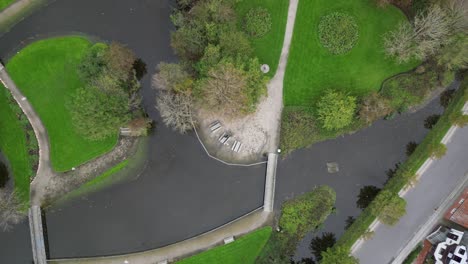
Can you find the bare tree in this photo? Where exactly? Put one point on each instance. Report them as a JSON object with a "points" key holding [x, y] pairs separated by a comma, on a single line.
{"points": [[175, 110], [224, 89], [429, 32], [12, 211]]}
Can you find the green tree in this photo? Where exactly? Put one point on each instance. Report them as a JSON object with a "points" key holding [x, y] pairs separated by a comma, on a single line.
{"points": [[388, 207], [366, 195], [234, 44], [336, 110], [99, 110], [338, 255], [431, 121], [454, 56], [411, 147], [93, 62], [320, 244]]}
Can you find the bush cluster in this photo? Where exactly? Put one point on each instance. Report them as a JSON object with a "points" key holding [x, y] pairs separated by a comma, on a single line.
{"points": [[110, 97], [299, 216], [257, 22], [338, 32]]}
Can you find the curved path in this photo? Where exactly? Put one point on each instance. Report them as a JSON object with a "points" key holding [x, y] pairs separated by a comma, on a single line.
{"points": [[44, 171], [183, 192]]}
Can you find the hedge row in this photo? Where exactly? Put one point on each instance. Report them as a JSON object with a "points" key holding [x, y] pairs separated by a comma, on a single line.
{"points": [[407, 171]]}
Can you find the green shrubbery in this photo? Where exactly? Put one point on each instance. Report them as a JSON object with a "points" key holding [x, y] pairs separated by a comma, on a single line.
{"points": [[338, 32], [413, 255], [110, 98], [299, 216], [257, 22], [217, 70], [336, 110]]}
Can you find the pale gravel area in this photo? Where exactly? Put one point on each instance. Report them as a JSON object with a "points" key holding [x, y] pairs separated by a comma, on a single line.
{"points": [[259, 132]]}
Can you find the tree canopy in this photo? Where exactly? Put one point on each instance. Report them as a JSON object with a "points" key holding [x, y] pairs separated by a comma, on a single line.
{"points": [[336, 110]]}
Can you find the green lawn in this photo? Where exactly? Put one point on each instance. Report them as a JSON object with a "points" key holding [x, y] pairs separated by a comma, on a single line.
{"points": [[268, 48], [5, 3], [244, 250], [45, 72], [312, 69], [13, 146]]}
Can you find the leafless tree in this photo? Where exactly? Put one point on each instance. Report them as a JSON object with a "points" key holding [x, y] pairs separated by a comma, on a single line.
{"points": [[175, 110], [11, 210], [429, 32], [223, 89]]}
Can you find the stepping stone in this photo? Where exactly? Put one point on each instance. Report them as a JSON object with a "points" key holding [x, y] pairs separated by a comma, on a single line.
{"points": [[333, 167]]}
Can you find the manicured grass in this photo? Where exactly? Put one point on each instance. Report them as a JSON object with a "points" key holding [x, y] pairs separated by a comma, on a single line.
{"points": [[5, 3], [13, 146], [311, 68], [268, 48], [244, 250], [45, 71]]}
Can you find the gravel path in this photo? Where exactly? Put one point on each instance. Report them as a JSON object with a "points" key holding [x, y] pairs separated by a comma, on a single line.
{"points": [[44, 171]]}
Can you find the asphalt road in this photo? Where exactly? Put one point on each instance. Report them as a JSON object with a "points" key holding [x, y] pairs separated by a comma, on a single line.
{"points": [[434, 186], [182, 192]]}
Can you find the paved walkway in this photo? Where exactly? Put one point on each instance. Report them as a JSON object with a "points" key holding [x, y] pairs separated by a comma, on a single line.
{"points": [[440, 180], [188, 247], [16, 12], [44, 171], [269, 112]]}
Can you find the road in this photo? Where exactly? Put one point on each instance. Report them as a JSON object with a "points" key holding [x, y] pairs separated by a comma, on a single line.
{"points": [[435, 184]]}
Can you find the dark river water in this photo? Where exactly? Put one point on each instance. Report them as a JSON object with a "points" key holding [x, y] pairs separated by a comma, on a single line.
{"points": [[182, 192]]}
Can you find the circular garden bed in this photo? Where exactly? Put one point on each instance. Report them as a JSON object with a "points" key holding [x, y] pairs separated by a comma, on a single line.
{"points": [[338, 32]]}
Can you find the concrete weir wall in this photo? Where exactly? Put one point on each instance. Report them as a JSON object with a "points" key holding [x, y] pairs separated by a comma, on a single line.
{"points": [[270, 182], [37, 235]]}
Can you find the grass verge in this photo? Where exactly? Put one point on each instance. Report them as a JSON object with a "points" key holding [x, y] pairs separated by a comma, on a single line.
{"points": [[312, 69], [5, 3], [406, 172], [45, 71], [13, 144], [244, 250], [268, 48]]}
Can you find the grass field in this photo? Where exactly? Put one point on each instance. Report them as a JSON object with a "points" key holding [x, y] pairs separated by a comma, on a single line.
{"points": [[5, 3], [268, 47], [45, 71], [244, 250], [13, 146], [312, 69]]}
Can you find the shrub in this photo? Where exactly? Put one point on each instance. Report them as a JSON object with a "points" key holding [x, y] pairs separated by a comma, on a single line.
{"points": [[410, 148], [299, 216], [413, 255], [366, 196], [446, 97], [407, 90], [373, 107], [338, 32], [431, 120], [257, 22], [336, 110], [338, 255], [321, 244], [388, 207]]}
